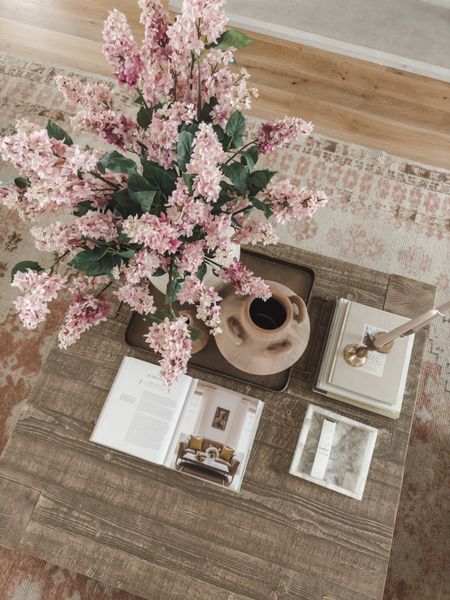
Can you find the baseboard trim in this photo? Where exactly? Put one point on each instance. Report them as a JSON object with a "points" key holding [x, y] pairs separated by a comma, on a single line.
{"points": [[333, 45]]}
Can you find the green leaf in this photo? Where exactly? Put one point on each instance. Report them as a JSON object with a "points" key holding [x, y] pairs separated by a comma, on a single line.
{"points": [[82, 208], [127, 253], [160, 179], [258, 180], [139, 190], [21, 182], [95, 262], [233, 39], [144, 117], [237, 174], [206, 109], [158, 272], [58, 133], [184, 149], [235, 128], [24, 265], [250, 157], [260, 205], [202, 272], [125, 205], [116, 162], [188, 179], [144, 198]]}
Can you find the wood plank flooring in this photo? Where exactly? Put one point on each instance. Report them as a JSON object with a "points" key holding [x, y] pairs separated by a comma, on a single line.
{"points": [[346, 98]]}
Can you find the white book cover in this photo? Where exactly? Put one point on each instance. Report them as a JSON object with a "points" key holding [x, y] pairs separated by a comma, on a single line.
{"points": [[380, 383], [193, 427]]}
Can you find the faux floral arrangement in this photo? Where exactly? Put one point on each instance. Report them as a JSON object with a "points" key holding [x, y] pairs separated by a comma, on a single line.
{"points": [[177, 192], [212, 453]]}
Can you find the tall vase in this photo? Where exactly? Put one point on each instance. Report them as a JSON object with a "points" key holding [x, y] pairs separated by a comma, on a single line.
{"points": [[260, 337]]}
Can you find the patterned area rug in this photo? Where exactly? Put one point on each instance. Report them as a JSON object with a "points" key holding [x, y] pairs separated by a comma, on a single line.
{"points": [[384, 212]]}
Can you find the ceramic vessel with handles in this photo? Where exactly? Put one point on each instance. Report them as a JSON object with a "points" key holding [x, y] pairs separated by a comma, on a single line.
{"points": [[260, 337]]}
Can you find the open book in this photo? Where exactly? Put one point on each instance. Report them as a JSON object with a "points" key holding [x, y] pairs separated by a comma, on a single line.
{"points": [[194, 427]]}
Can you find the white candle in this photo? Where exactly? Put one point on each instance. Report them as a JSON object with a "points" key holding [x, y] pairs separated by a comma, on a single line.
{"points": [[382, 339]]}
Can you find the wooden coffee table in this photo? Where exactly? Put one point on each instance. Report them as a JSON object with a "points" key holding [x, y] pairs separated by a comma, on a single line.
{"points": [[150, 530]]}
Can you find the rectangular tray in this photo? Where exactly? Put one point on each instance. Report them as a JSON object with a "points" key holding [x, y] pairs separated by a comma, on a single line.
{"points": [[296, 277]]}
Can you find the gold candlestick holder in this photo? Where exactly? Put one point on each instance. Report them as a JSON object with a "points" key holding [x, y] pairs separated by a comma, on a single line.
{"points": [[355, 355]]}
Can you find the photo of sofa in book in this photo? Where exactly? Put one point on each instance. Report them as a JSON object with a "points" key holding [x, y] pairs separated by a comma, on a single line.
{"points": [[195, 454], [193, 427]]}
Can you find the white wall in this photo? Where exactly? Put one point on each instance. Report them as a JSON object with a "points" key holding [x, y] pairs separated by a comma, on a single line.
{"points": [[229, 401]]}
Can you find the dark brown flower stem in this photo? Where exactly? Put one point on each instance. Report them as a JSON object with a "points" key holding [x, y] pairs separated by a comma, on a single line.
{"points": [[240, 150]]}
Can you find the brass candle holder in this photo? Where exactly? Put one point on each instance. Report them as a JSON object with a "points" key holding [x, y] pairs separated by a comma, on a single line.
{"points": [[355, 355]]}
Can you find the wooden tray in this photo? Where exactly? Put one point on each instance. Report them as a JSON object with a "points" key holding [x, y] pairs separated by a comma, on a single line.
{"points": [[298, 278]]}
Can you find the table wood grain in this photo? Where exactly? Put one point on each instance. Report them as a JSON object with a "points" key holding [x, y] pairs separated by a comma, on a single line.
{"points": [[165, 536]]}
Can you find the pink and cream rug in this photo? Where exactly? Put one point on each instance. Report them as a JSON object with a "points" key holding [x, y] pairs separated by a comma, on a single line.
{"points": [[386, 213]]}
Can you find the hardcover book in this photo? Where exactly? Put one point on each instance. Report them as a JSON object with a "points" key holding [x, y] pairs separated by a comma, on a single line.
{"points": [[193, 427], [378, 385]]}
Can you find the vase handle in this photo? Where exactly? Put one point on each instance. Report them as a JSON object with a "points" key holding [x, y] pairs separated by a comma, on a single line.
{"points": [[235, 330], [278, 350], [301, 308]]}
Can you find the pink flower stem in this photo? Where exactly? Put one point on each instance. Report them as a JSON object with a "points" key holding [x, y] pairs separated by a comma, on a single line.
{"points": [[98, 176], [55, 265], [240, 150], [242, 210], [104, 288]]}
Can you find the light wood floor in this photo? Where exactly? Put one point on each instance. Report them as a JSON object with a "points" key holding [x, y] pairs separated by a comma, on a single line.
{"points": [[346, 98]]}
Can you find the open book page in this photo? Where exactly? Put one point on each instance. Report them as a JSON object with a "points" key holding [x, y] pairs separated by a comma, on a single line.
{"points": [[215, 435], [140, 414]]}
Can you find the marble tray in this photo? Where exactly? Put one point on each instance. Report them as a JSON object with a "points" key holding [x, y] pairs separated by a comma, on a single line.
{"points": [[350, 455]]}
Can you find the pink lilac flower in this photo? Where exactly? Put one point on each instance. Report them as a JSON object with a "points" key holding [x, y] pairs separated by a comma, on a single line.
{"points": [[171, 339], [206, 156], [156, 233], [82, 283], [244, 282], [39, 289], [138, 297], [97, 114], [275, 134], [155, 21], [56, 237], [84, 312], [141, 266], [120, 49], [288, 202], [98, 225], [51, 168], [253, 230], [206, 299], [191, 257], [218, 231], [184, 211]]}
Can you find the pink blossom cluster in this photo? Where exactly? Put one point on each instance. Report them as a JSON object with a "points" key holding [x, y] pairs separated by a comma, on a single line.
{"points": [[138, 297], [244, 282], [207, 300], [52, 172], [97, 113], [253, 230], [205, 160], [184, 211], [161, 137], [171, 339], [121, 50], [38, 288], [288, 202], [276, 134], [84, 312], [155, 233]]}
